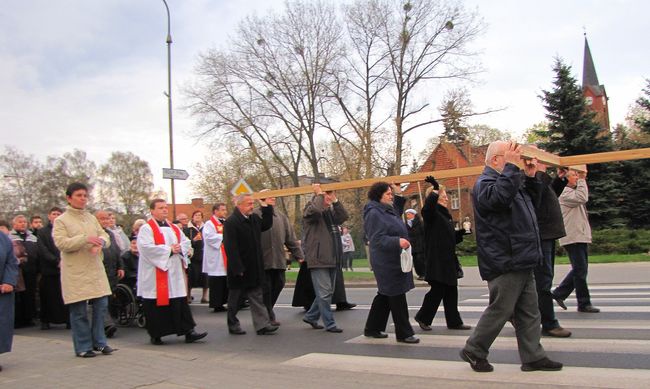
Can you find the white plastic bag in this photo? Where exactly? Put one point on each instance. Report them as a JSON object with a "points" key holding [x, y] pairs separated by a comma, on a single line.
{"points": [[406, 259]]}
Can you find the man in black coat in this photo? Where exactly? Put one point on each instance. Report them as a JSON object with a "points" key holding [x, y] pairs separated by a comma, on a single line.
{"points": [[26, 300], [53, 310], [242, 233], [507, 238], [551, 227]]}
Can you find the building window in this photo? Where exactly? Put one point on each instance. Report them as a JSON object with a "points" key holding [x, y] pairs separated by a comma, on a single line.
{"points": [[454, 199]]}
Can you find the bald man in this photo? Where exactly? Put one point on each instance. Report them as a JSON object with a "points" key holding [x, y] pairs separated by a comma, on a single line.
{"points": [[509, 248]]}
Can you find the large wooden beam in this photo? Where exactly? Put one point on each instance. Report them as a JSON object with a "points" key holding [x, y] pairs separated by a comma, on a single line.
{"points": [[527, 152]]}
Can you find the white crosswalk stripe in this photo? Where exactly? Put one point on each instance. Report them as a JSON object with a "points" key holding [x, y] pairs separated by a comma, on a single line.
{"points": [[632, 325]]}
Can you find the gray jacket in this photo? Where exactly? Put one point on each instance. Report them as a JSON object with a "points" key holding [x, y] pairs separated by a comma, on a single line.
{"points": [[275, 239], [322, 246], [574, 212]]}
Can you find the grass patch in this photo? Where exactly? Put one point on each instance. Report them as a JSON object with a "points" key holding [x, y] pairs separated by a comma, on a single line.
{"points": [[470, 260]]}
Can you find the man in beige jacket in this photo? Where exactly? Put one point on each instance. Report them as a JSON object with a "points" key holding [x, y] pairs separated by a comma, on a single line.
{"points": [[573, 202], [80, 238]]}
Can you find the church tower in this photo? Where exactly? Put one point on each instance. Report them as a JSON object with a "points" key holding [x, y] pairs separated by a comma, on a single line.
{"points": [[594, 93]]}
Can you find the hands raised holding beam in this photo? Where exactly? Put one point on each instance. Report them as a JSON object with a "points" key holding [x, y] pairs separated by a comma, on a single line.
{"points": [[527, 152]]}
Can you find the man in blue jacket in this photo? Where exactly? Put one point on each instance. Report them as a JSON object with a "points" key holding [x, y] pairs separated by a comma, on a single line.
{"points": [[509, 249]]}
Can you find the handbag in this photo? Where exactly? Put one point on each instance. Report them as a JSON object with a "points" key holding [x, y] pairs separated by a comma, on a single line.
{"points": [[406, 260], [459, 269]]}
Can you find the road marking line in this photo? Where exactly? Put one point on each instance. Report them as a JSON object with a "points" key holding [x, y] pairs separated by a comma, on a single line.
{"points": [[595, 301], [566, 323], [622, 346], [481, 308], [460, 371]]}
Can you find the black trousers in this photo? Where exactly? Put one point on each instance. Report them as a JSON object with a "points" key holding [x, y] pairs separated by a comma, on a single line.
{"points": [[53, 310], [273, 285], [218, 291], [448, 294], [378, 316], [418, 264]]}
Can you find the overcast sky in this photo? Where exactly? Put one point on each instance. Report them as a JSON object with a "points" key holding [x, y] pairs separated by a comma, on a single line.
{"points": [[91, 74]]}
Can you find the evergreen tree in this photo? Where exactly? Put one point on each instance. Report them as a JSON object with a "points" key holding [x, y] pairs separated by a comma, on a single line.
{"points": [[572, 130], [453, 111]]}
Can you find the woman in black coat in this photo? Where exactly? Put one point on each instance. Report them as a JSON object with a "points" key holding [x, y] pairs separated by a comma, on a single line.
{"points": [[440, 241], [387, 235]]}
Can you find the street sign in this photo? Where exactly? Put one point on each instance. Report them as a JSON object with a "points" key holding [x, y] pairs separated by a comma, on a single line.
{"points": [[241, 187], [175, 174]]}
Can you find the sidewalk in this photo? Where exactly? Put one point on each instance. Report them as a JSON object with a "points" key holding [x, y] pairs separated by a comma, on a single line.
{"points": [[599, 273]]}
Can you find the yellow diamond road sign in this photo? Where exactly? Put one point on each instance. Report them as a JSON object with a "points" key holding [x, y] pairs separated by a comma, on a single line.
{"points": [[241, 187]]}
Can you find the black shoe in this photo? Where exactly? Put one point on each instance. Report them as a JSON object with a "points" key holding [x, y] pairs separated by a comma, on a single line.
{"points": [[313, 325], [45, 325], [220, 309], [156, 341], [410, 340], [106, 350], [543, 364], [460, 327], [423, 325], [110, 331], [557, 332], [559, 301], [335, 330], [67, 326], [345, 306], [193, 336], [87, 354], [589, 309], [375, 334], [236, 331], [480, 365], [268, 330]]}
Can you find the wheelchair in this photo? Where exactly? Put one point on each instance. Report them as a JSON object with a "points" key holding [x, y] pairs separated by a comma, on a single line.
{"points": [[125, 308]]}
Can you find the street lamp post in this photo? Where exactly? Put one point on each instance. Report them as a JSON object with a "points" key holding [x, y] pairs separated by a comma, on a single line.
{"points": [[169, 104]]}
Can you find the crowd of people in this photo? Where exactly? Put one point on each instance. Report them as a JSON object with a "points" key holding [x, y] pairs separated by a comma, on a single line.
{"points": [[54, 272]]}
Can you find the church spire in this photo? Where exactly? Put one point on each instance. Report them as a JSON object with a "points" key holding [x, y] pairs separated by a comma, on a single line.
{"points": [[589, 77]]}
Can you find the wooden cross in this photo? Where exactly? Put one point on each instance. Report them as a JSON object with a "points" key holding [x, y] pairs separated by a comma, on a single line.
{"points": [[527, 153]]}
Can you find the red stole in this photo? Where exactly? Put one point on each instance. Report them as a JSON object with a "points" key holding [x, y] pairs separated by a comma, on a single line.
{"points": [[162, 281], [219, 227]]}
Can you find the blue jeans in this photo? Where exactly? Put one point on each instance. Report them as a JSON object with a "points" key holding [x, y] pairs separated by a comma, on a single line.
{"points": [[83, 336], [544, 280], [324, 280], [577, 277]]}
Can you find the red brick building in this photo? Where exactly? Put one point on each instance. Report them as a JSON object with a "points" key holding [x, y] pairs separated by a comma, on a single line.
{"points": [[197, 204], [450, 156]]}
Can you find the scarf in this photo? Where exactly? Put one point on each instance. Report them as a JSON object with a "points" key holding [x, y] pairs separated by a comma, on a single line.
{"points": [[219, 227]]}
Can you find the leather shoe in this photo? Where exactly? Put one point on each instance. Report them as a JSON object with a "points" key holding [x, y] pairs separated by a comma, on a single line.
{"points": [[480, 365], [335, 330], [589, 309], [559, 301], [220, 308], [375, 334], [543, 364], [313, 325], [409, 340], [157, 341], [110, 331], [345, 306], [557, 332], [236, 331], [268, 330], [193, 336], [460, 327], [423, 325], [275, 323]]}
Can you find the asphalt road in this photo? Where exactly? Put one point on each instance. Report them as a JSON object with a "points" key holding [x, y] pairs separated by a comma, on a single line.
{"points": [[608, 349]]}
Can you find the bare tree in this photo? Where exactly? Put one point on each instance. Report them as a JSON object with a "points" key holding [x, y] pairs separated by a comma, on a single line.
{"points": [[126, 181]]}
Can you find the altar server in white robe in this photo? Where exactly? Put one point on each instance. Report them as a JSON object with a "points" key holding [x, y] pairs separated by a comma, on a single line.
{"points": [[214, 257], [162, 283]]}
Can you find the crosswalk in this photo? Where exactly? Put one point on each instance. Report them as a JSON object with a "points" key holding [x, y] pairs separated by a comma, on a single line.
{"points": [[610, 349]]}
